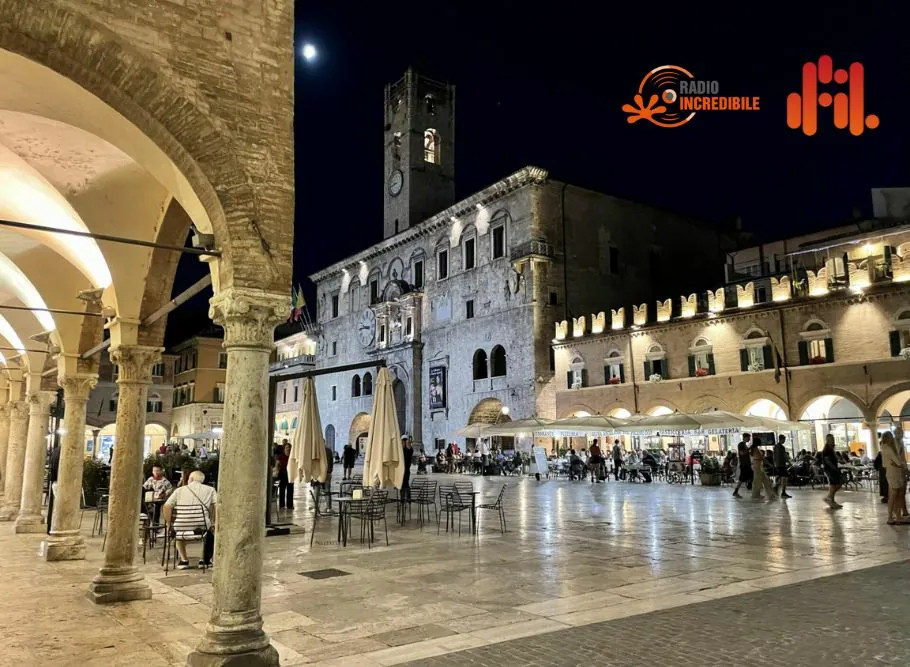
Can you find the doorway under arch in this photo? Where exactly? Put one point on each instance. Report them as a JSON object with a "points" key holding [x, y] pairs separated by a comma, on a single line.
{"points": [[360, 429]]}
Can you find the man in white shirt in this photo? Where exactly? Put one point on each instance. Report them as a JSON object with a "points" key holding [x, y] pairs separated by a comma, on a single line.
{"points": [[194, 506]]}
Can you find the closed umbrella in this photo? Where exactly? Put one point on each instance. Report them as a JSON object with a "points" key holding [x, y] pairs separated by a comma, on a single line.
{"points": [[308, 449], [383, 463]]}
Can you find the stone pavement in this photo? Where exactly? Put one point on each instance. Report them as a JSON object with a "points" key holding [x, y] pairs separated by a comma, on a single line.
{"points": [[575, 555], [856, 618]]}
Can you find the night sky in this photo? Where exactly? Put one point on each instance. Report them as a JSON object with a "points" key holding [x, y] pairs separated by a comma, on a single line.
{"points": [[546, 86]]}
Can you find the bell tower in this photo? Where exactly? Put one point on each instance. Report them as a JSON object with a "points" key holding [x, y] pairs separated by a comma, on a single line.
{"points": [[419, 134]]}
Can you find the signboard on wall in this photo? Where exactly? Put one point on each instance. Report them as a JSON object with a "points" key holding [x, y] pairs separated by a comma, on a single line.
{"points": [[437, 387]]}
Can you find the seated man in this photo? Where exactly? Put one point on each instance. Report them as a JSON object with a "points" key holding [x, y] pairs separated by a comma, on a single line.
{"points": [[650, 465], [160, 487], [185, 501]]}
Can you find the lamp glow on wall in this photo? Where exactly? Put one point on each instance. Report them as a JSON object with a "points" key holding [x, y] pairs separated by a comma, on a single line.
{"points": [[12, 278], [482, 221], [7, 331]]}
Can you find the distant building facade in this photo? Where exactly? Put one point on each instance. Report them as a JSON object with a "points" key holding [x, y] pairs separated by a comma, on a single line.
{"points": [[459, 298], [200, 370], [295, 352], [818, 331]]}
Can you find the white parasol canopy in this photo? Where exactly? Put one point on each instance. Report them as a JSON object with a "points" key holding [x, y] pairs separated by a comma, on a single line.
{"points": [[706, 422], [473, 430], [308, 458], [531, 425], [383, 462], [591, 425]]}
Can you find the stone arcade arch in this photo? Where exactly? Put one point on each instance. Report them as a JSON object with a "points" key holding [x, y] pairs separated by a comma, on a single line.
{"points": [[147, 132]]}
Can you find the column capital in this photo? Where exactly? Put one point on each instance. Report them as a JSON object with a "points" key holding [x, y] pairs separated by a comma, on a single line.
{"points": [[18, 410], [39, 402], [135, 362], [249, 316], [77, 386]]}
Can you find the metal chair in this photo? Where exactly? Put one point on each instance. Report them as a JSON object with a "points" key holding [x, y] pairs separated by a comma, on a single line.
{"points": [[100, 510], [452, 504], [370, 511], [496, 507], [423, 494], [189, 523]]}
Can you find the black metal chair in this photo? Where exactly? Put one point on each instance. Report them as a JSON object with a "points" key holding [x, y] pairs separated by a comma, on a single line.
{"points": [[496, 507], [101, 507], [452, 504], [370, 511], [189, 523], [423, 494]]}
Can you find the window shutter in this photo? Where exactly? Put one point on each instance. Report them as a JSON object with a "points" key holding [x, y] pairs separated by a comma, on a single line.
{"points": [[766, 352], [691, 365], [622, 373], [584, 377], [648, 369], [803, 353], [895, 337], [744, 360], [606, 374], [711, 370], [829, 350], [568, 379]]}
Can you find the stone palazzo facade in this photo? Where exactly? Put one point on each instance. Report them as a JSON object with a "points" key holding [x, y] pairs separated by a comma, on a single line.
{"points": [[459, 297], [825, 340]]}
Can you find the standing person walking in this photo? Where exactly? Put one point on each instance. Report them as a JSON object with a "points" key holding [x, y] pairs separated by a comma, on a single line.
{"points": [[745, 465], [617, 460], [879, 466], [761, 479], [348, 457], [832, 471], [408, 457], [285, 481], [896, 473], [780, 466]]}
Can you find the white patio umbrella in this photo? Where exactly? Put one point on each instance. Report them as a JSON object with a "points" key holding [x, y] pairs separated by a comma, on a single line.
{"points": [[591, 425], [308, 458], [683, 423], [383, 463], [531, 425], [473, 430]]}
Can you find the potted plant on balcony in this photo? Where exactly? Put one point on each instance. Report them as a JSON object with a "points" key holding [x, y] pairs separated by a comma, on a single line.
{"points": [[756, 367], [701, 372], [615, 381], [709, 475], [817, 360], [655, 377], [905, 353]]}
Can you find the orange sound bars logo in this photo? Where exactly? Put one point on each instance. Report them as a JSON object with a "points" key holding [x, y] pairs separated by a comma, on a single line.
{"points": [[849, 107], [669, 96]]}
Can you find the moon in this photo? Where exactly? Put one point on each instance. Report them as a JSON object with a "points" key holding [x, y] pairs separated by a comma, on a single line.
{"points": [[309, 52]]}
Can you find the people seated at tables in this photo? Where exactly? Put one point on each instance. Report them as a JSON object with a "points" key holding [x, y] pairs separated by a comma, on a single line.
{"points": [[193, 523], [649, 464], [576, 466]]}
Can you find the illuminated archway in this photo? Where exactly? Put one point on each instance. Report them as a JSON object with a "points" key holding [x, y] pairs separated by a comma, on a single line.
{"points": [[765, 407], [838, 416], [658, 410]]}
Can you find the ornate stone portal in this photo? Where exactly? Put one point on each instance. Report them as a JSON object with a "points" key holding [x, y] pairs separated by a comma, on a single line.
{"points": [[65, 541], [234, 635], [29, 519], [119, 580]]}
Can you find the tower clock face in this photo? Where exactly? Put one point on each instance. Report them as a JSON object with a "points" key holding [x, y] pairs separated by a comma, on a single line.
{"points": [[366, 327], [396, 180]]}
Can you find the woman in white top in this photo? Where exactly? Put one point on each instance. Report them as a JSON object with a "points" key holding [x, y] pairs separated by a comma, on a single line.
{"points": [[895, 469]]}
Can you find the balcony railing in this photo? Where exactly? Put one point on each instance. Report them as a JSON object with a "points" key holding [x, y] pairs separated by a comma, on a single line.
{"points": [[532, 248], [301, 360]]}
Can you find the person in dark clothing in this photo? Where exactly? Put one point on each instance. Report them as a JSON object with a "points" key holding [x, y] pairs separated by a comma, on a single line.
{"points": [[832, 472], [650, 465], [408, 457], [617, 460], [285, 481], [745, 465], [882, 478], [349, 457], [781, 458], [53, 465]]}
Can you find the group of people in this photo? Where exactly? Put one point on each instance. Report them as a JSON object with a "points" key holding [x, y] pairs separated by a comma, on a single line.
{"points": [[199, 452], [754, 470], [188, 510], [592, 462]]}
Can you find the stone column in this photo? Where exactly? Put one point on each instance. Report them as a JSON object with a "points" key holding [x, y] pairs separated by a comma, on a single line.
{"points": [[15, 460], [29, 519], [873, 439], [234, 634], [4, 441], [65, 541], [119, 580]]}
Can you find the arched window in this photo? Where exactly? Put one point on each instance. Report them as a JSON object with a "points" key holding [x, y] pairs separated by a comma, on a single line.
{"points": [[153, 404], [480, 364], [816, 346], [613, 368], [498, 361], [656, 362], [355, 386], [367, 384], [701, 358], [756, 353], [900, 336], [431, 145]]}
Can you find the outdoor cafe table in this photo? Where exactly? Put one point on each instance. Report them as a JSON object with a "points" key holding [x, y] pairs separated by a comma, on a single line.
{"points": [[344, 502]]}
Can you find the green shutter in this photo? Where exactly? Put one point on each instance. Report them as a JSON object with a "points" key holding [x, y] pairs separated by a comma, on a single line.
{"points": [[622, 373], [829, 350], [568, 379], [895, 337], [606, 374], [768, 360], [803, 353], [691, 365], [648, 369], [584, 377], [744, 360], [711, 369]]}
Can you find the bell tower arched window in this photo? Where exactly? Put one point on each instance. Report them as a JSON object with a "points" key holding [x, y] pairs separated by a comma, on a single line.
{"points": [[498, 361], [431, 146], [480, 364]]}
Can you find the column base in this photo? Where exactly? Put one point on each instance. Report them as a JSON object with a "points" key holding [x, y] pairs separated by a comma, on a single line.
{"points": [[31, 523], [264, 657], [119, 585], [8, 513], [68, 547]]}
